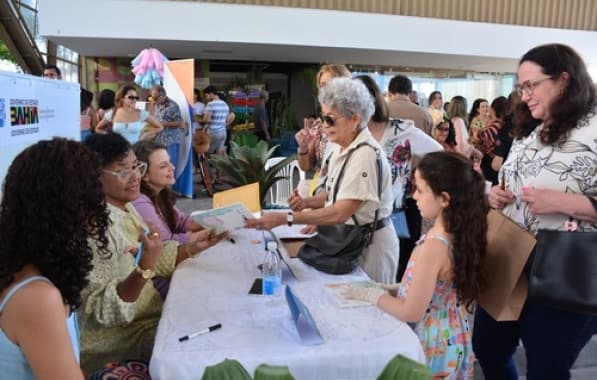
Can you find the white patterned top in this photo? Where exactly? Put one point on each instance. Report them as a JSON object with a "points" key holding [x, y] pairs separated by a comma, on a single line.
{"points": [[569, 167]]}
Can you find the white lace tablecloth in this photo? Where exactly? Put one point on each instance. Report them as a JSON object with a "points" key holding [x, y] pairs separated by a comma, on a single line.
{"points": [[213, 288]]}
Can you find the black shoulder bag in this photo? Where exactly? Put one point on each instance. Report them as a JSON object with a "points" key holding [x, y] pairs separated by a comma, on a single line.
{"points": [[563, 270], [336, 248]]}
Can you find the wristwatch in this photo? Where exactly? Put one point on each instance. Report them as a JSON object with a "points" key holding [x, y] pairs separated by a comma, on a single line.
{"points": [[290, 218], [147, 274]]}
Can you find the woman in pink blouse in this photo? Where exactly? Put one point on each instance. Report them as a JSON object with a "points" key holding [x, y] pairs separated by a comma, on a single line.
{"points": [[156, 202]]}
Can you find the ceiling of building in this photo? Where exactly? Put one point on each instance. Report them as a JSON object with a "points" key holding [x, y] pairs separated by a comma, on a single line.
{"points": [[370, 58]]}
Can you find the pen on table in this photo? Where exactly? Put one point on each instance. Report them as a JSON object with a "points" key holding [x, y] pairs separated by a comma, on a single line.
{"points": [[200, 332]]}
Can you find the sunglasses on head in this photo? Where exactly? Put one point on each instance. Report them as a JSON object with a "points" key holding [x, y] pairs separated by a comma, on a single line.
{"points": [[132, 97]]}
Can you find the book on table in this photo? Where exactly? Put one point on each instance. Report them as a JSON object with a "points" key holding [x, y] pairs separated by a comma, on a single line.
{"points": [[222, 219]]}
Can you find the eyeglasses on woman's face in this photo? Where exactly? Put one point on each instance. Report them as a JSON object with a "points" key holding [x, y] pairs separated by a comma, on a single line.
{"points": [[125, 175], [328, 120], [442, 129], [133, 97], [528, 87]]}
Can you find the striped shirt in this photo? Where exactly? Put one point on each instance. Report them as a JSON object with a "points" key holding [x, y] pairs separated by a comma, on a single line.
{"points": [[218, 111]]}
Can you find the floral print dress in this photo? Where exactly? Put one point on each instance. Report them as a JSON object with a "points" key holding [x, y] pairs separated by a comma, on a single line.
{"points": [[444, 330]]}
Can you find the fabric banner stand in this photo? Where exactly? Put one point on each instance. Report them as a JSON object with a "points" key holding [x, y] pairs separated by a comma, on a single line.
{"points": [[178, 82], [33, 109]]}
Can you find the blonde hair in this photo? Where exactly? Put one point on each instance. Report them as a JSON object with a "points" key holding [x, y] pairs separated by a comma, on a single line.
{"points": [[334, 70]]}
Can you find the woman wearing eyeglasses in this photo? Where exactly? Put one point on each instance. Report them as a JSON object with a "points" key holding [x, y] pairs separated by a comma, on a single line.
{"points": [[549, 177], [444, 134], [121, 308], [346, 107], [127, 119]]}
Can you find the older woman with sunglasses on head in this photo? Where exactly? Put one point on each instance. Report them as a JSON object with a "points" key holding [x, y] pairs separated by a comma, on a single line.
{"points": [[550, 178], [121, 308], [127, 120], [346, 108]]}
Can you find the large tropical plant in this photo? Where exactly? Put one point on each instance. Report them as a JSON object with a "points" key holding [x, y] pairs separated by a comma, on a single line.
{"points": [[246, 164]]}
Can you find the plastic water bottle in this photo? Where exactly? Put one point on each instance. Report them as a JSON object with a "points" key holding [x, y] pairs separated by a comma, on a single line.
{"points": [[272, 271]]}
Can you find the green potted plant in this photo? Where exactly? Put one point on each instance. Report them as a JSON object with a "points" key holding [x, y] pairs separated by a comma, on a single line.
{"points": [[246, 164]]}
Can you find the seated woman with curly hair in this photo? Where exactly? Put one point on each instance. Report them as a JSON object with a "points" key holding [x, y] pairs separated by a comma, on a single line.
{"points": [[51, 205], [121, 308]]}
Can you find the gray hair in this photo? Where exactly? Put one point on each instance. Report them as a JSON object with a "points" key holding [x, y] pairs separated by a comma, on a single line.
{"points": [[348, 97], [159, 89]]}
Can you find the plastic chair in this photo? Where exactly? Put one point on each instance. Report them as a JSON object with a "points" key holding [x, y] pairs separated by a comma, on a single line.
{"points": [[278, 194], [403, 368], [247, 194]]}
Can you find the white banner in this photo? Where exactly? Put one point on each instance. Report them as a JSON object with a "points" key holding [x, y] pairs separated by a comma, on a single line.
{"points": [[32, 109]]}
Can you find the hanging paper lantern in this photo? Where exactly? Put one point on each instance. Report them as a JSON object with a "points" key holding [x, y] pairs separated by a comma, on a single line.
{"points": [[148, 67]]}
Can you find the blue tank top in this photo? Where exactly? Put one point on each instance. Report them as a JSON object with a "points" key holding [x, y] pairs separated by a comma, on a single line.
{"points": [[13, 364]]}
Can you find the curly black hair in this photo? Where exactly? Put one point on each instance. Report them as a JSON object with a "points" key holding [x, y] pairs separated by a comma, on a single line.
{"points": [[52, 203], [165, 200], [577, 101], [109, 148], [465, 217]]}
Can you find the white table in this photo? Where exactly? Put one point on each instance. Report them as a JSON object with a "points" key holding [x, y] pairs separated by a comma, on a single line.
{"points": [[213, 288]]}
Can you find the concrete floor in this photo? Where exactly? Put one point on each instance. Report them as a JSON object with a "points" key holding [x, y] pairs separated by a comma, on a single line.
{"points": [[585, 367]]}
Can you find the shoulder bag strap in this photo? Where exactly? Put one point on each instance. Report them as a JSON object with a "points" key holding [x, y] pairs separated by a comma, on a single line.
{"points": [[379, 180]]}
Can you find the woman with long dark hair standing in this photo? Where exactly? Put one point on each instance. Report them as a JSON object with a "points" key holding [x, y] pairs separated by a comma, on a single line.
{"points": [[549, 177]]}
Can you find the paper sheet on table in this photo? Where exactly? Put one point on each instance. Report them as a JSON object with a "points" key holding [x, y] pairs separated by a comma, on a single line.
{"points": [[305, 324], [291, 233], [286, 232], [223, 219]]}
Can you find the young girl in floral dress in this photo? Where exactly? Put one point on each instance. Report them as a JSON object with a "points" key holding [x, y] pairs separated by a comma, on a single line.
{"points": [[443, 277]]}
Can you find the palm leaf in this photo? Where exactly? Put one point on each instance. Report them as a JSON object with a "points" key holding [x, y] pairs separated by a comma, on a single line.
{"points": [[246, 164]]}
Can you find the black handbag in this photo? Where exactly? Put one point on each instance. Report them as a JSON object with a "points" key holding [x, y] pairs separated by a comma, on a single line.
{"points": [[563, 272], [335, 249]]}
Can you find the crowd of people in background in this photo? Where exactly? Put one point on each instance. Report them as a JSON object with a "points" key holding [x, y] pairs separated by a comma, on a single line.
{"points": [[370, 158]]}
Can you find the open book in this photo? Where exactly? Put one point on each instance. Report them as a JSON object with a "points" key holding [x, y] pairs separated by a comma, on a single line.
{"points": [[337, 289], [227, 218]]}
